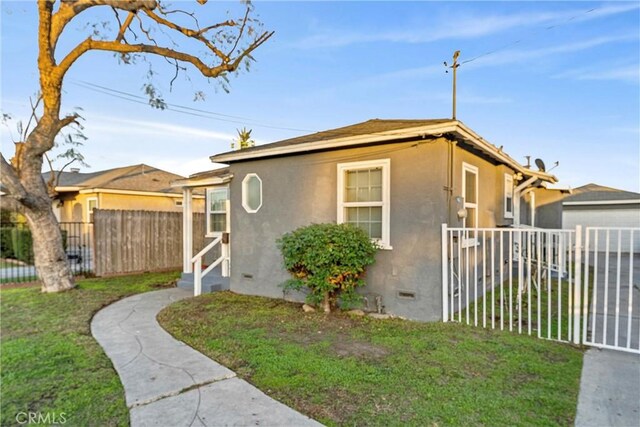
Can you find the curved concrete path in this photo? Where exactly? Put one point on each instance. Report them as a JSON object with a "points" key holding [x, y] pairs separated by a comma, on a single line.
{"points": [[167, 383]]}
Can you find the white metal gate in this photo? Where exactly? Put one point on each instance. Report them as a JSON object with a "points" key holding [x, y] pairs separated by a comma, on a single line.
{"points": [[611, 305], [524, 280]]}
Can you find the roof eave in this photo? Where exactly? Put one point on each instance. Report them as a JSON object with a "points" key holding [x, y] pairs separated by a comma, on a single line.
{"points": [[351, 141], [202, 182], [452, 126]]}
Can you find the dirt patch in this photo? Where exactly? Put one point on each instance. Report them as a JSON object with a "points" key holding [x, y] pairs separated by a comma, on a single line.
{"points": [[14, 285], [358, 349]]}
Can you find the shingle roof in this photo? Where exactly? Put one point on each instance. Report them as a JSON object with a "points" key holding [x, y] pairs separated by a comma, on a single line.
{"points": [[597, 193], [365, 128], [133, 178]]}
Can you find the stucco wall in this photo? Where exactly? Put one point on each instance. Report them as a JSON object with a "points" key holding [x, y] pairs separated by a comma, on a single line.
{"points": [[490, 190], [301, 190], [74, 207]]}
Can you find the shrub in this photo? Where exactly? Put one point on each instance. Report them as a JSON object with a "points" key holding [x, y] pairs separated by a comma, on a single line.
{"points": [[329, 260], [22, 244], [6, 243]]}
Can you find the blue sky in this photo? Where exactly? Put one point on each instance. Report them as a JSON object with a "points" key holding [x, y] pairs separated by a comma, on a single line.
{"points": [[562, 83]]}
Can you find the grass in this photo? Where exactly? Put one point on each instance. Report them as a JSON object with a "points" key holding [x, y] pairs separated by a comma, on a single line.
{"points": [[345, 370], [49, 361]]}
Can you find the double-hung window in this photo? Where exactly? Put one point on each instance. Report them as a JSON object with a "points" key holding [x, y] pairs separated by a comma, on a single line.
{"points": [[363, 197], [508, 195], [470, 192], [217, 210]]}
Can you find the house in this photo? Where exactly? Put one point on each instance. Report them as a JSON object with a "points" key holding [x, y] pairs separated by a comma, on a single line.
{"points": [[400, 180], [137, 187], [594, 205]]}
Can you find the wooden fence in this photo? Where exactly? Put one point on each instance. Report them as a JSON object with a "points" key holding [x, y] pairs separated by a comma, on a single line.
{"points": [[137, 241]]}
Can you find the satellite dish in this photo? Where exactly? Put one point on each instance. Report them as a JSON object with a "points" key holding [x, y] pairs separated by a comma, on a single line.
{"points": [[540, 165]]}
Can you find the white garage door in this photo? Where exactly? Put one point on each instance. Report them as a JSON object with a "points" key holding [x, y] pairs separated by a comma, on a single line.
{"points": [[606, 218]]}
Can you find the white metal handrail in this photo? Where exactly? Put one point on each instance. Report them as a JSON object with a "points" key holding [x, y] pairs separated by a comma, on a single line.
{"points": [[198, 273]]}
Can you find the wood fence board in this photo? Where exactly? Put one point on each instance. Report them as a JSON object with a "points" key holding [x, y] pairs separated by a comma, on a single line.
{"points": [[135, 241]]}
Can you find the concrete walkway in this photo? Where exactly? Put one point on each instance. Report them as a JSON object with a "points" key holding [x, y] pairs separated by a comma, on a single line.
{"points": [[609, 389], [167, 383]]}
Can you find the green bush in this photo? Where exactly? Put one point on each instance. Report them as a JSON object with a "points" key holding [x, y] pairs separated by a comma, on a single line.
{"points": [[329, 260], [16, 242], [6, 243], [22, 244]]}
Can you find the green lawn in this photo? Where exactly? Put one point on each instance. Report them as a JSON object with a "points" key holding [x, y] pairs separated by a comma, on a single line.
{"points": [[50, 362], [344, 370]]}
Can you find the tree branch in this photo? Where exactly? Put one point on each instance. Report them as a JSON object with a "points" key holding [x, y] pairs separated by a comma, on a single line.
{"points": [[124, 26], [194, 34], [9, 178], [69, 9], [115, 46]]}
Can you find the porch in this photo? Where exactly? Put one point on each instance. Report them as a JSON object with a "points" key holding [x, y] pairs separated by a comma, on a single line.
{"points": [[207, 270]]}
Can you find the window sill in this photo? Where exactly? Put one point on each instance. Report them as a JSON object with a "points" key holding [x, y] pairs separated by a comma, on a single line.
{"points": [[385, 247]]}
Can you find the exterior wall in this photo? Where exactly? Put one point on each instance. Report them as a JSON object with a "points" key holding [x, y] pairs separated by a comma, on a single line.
{"points": [[606, 216], [490, 190], [74, 206], [301, 190], [548, 208]]}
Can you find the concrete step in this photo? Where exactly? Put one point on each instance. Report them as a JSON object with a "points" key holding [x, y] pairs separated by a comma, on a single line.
{"points": [[212, 282]]}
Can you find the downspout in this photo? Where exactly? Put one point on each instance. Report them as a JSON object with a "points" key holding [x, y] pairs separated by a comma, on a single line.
{"points": [[517, 193], [532, 205], [450, 162]]}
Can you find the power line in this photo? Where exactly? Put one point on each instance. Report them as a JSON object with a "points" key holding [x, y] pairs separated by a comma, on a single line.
{"points": [[180, 108], [550, 27]]}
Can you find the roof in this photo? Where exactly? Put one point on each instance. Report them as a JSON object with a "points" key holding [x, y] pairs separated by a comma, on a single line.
{"points": [[129, 178], [206, 178], [598, 193], [378, 131]]}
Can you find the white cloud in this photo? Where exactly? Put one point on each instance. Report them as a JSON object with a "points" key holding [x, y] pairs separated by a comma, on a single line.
{"points": [[629, 73], [459, 27]]}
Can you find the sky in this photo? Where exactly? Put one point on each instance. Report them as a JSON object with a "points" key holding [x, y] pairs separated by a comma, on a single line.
{"points": [[558, 81]]}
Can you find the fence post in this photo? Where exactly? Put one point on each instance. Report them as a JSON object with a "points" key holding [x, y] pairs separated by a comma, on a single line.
{"points": [[445, 278], [577, 288]]}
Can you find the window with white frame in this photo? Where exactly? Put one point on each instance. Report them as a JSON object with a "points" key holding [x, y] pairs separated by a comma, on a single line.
{"points": [[470, 194], [363, 197], [92, 204], [252, 193], [508, 195], [217, 199]]}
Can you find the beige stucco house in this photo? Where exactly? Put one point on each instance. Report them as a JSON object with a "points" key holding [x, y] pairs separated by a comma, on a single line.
{"points": [[137, 187]]}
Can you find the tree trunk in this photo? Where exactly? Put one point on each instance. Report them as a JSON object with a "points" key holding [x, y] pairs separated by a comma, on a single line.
{"points": [[326, 304], [50, 258]]}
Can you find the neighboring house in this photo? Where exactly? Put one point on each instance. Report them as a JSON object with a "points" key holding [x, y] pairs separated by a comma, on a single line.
{"points": [[137, 187], [594, 205], [400, 180]]}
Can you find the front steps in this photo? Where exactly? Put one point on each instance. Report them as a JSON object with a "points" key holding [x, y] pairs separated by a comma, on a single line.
{"points": [[212, 282]]}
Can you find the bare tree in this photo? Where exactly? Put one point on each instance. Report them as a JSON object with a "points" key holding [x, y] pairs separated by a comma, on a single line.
{"points": [[140, 27]]}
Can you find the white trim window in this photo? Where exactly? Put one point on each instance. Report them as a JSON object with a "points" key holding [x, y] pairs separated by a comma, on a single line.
{"points": [[252, 193], [470, 195], [92, 203], [217, 211], [364, 198], [508, 195]]}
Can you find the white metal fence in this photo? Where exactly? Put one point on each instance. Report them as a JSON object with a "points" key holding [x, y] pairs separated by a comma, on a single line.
{"points": [[524, 280], [611, 305]]}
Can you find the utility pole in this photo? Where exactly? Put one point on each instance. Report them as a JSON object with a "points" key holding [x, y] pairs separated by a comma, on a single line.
{"points": [[454, 67]]}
